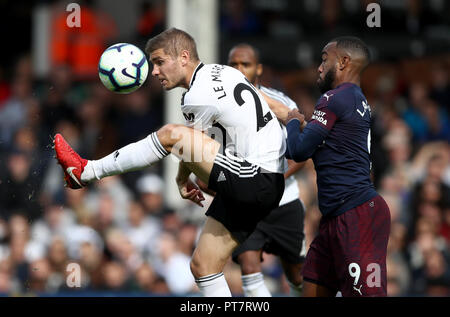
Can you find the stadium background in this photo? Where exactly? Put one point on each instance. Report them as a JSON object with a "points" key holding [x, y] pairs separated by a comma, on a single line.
{"points": [[127, 233]]}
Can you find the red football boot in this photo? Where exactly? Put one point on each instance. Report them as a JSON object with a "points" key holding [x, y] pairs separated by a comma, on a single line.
{"points": [[71, 163]]}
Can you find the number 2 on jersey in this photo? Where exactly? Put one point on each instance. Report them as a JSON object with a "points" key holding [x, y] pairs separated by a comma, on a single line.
{"points": [[261, 120]]}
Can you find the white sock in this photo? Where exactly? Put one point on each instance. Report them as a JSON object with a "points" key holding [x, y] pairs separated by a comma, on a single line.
{"points": [[131, 157], [213, 285], [253, 285], [295, 291]]}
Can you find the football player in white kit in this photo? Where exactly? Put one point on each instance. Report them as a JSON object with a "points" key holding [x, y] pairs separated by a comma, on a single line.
{"points": [[281, 232], [243, 160]]}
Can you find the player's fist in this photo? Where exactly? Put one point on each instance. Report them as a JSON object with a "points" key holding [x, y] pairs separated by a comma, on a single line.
{"points": [[295, 114]]}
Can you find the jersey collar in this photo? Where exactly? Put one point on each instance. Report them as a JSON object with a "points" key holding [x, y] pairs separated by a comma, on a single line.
{"points": [[200, 65]]}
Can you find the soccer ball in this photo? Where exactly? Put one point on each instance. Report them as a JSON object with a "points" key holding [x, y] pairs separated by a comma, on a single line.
{"points": [[123, 68]]}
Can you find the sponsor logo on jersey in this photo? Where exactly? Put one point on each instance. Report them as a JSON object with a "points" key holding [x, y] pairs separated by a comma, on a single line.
{"points": [[320, 116], [190, 117]]}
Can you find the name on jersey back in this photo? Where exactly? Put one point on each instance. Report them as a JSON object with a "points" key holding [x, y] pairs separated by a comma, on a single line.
{"points": [[216, 74]]}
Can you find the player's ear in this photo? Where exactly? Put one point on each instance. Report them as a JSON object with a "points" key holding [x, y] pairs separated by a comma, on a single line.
{"points": [[259, 70], [343, 62], [185, 57]]}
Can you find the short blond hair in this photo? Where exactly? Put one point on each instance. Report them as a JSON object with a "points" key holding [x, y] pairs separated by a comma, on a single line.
{"points": [[173, 41]]}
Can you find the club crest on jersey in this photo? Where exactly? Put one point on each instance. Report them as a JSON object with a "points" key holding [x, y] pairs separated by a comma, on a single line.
{"points": [[319, 116]]}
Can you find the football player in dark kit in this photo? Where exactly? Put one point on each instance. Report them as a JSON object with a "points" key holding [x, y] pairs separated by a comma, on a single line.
{"points": [[349, 252]]}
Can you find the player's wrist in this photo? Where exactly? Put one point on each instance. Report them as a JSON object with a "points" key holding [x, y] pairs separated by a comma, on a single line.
{"points": [[291, 120]]}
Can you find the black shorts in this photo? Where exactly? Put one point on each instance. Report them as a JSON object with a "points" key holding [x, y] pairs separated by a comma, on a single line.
{"points": [[280, 233], [245, 194]]}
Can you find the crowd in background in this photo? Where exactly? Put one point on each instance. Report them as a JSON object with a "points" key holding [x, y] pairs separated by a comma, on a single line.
{"points": [[121, 231]]}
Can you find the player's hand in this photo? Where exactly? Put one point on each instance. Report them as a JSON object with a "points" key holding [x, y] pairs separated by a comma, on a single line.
{"points": [[189, 190], [204, 187], [295, 114]]}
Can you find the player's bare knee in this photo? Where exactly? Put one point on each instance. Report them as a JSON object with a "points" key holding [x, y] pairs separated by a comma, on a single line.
{"points": [[198, 267], [169, 135], [295, 279], [294, 273], [250, 263], [194, 268]]}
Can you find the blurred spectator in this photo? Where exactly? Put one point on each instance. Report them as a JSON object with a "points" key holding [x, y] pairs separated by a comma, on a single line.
{"points": [[56, 221], [104, 219], [437, 272], [80, 47], [137, 116], [92, 262], [120, 248], [330, 14], [152, 20], [13, 112], [187, 238], [431, 196], [96, 127], [438, 123], [39, 276], [115, 277], [19, 187], [57, 99], [150, 188], [142, 230], [418, 93], [175, 266], [58, 259], [237, 19], [440, 86], [145, 278]]}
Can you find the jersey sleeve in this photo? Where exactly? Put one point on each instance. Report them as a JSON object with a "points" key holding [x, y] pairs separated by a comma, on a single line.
{"points": [[200, 117], [326, 113], [302, 145]]}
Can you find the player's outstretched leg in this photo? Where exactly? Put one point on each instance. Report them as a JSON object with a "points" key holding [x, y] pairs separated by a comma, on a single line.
{"points": [[188, 144], [216, 242]]}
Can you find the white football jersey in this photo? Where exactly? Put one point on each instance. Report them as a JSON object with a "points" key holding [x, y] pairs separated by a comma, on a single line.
{"points": [[221, 101], [291, 191]]}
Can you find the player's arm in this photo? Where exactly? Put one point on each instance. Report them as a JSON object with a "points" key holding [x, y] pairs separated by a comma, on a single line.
{"points": [[279, 109], [293, 167], [204, 187], [304, 138], [187, 188]]}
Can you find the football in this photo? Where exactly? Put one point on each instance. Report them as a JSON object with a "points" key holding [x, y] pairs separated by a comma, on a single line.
{"points": [[123, 68]]}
